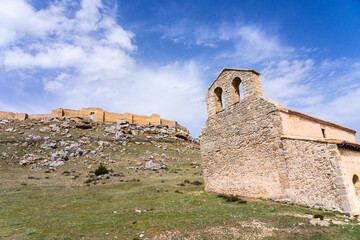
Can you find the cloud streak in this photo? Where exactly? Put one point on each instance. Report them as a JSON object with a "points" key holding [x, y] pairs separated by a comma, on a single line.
{"points": [[86, 59], [75, 54]]}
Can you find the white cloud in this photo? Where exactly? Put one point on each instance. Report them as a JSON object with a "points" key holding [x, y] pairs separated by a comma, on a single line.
{"points": [[329, 90], [239, 42], [87, 59], [254, 45], [287, 80], [84, 58]]}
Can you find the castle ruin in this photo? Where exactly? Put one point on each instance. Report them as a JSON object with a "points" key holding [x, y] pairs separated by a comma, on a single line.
{"points": [[252, 146], [97, 115]]}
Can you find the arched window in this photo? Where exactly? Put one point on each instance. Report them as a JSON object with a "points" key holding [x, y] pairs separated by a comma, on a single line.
{"points": [[236, 89], [356, 183], [218, 99], [92, 115], [355, 179]]}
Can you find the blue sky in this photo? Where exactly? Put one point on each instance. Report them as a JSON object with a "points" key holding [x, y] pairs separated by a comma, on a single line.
{"points": [[160, 57]]}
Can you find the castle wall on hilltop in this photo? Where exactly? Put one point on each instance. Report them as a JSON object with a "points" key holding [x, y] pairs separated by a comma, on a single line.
{"points": [[98, 115], [252, 146]]}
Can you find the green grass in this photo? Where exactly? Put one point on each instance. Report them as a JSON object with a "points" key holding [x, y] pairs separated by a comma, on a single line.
{"points": [[109, 211], [58, 207]]}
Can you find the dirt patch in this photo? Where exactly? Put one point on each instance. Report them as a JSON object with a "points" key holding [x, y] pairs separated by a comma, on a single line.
{"points": [[242, 230]]}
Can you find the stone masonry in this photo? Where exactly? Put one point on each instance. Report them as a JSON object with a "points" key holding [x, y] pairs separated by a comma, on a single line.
{"points": [[98, 115], [252, 146]]}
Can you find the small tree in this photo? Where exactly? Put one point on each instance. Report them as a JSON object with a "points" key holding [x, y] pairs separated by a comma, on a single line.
{"points": [[101, 170]]}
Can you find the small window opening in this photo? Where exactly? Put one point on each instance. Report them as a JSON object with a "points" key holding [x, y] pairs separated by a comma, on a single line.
{"points": [[356, 183], [323, 132], [355, 179], [236, 89], [218, 99], [92, 115]]}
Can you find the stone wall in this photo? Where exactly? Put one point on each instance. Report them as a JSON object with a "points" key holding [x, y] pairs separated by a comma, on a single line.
{"points": [[8, 115], [98, 115], [237, 148], [350, 167], [253, 146], [240, 141], [298, 124], [39, 116], [315, 177], [11, 115], [249, 82]]}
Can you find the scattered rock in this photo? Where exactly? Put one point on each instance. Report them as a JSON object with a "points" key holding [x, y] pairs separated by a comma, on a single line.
{"points": [[110, 129], [48, 146], [45, 129], [59, 156], [317, 221], [56, 164], [150, 165]]}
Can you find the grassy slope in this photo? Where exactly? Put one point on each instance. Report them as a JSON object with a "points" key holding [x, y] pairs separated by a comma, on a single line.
{"points": [[54, 206]]}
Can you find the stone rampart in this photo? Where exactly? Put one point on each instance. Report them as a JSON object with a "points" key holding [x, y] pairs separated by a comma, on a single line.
{"points": [[98, 115], [11, 115], [8, 115], [38, 116]]}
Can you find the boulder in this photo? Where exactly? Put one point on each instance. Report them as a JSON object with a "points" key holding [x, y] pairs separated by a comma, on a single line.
{"points": [[59, 155], [48, 146], [73, 147], [119, 134], [150, 165], [56, 164], [44, 129], [110, 129]]}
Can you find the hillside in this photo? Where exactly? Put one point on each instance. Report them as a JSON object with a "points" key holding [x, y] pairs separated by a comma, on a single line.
{"points": [[154, 188]]}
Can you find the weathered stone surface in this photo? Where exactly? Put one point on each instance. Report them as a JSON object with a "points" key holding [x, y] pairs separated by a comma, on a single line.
{"points": [[151, 165], [48, 146], [45, 129], [247, 150], [56, 164], [59, 156], [97, 115]]}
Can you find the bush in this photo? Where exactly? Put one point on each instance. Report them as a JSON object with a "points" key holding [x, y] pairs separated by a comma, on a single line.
{"points": [[101, 170], [221, 195], [231, 198], [241, 201], [318, 215], [196, 183]]}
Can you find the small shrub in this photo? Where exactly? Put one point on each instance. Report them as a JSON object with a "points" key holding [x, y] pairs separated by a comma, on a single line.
{"points": [[186, 181], [101, 170], [318, 215], [196, 183], [241, 201], [232, 198], [221, 195], [228, 198]]}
